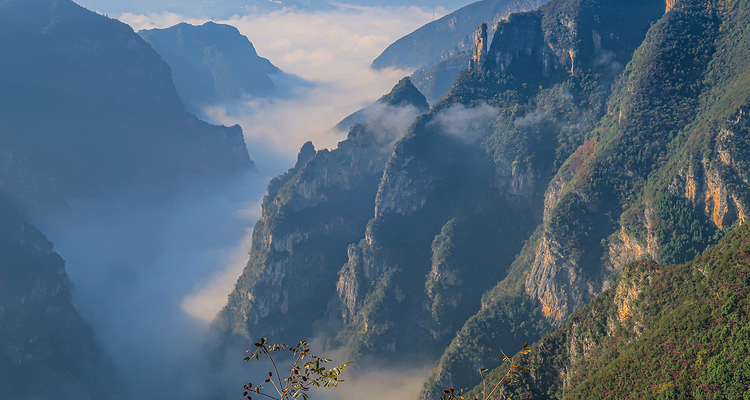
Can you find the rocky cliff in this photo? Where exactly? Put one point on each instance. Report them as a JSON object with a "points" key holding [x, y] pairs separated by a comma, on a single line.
{"points": [[310, 215], [449, 35], [662, 331], [593, 134], [47, 349]]}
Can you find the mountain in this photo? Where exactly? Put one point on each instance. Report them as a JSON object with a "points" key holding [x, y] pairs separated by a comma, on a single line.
{"points": [[658, 177], [309, 217], [582, 137], [448, 36], [405, 93], [211, 62], [82, 90], [48, 350], [662, 331]]}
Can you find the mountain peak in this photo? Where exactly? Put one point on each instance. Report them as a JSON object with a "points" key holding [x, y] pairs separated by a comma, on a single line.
{"points": [[405, 93], [306, 153]]}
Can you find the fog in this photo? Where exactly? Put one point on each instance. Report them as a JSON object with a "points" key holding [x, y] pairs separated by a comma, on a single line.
{"points": [[151, 272], [468, 124], [332, 49]]}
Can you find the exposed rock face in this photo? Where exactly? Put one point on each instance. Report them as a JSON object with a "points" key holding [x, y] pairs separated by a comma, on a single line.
{"points": [[449, 35], [480, 50], [46, 348], [310, 216], [558, 284]]}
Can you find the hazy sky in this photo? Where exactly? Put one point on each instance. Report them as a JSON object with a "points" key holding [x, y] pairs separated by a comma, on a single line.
{"points": [[223, 9]]}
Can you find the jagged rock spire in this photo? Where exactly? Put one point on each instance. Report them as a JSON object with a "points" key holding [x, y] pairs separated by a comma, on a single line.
{"points": [[480, 50]]}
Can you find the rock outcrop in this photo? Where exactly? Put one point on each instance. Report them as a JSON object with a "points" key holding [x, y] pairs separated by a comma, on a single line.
{"points": [[480, 50]]}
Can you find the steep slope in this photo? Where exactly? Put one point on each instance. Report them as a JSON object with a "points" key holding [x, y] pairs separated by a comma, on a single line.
{"points": [[309, 217], [464, 190], [661, 332], [211, 62], [449, 35], [83, 90], [660, 177], [47, 348]]}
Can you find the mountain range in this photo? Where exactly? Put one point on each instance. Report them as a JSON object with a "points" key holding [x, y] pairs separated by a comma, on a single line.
{"points": [[581, 186], [583, 136], [212, 63]]}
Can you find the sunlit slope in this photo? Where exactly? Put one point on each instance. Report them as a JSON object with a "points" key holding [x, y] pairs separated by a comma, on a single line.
{"points": [[661, 332], [659, 177]]}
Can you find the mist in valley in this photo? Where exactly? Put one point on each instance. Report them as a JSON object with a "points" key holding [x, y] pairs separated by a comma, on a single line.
{"points": [[151, 271]]}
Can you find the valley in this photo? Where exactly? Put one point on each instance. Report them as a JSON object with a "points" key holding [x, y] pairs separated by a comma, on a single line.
{"points": [[419, 195]]}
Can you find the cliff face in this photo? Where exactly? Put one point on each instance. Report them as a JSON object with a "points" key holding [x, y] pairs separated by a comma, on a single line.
{"points": [[47, 348], [474, 158], [594, 134], [81, 89], [661, 330], [448, 36], [310, 216]]}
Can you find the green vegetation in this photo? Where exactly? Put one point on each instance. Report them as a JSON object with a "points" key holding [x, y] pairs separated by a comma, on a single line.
{"points": [[597, 134], [302, 377], [664, 332]]}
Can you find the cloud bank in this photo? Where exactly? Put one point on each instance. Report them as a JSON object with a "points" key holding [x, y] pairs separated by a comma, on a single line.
{"points": [[331, 48]]}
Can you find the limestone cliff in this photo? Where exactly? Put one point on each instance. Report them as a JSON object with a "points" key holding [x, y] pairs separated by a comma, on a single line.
{"points": [[309, 217], [480, 50]]}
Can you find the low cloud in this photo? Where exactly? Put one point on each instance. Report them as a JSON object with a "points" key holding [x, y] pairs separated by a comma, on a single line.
{"points": [[331, 48], [469, 124], [531, 119]]}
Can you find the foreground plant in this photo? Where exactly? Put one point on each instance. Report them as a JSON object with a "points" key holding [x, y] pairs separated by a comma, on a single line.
{"points": [[512, 375], [302, 375]]}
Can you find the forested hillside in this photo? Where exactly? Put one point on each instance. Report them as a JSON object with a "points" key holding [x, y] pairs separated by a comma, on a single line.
{"points": [[661, 332]]}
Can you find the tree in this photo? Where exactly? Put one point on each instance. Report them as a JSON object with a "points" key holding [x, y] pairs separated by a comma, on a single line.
{"points": [[303, 375], [512, 375]]}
